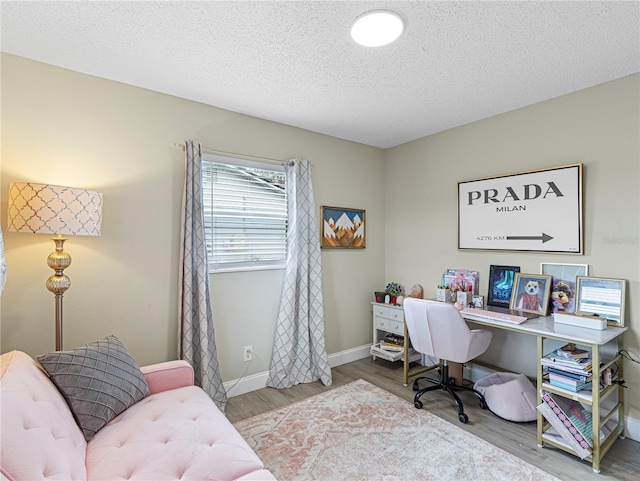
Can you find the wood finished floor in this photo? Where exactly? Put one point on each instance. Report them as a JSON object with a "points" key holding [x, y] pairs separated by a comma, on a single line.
{"points": [[622, 462]]}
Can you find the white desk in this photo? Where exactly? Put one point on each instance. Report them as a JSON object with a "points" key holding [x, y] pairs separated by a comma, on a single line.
{"points": [[545, 328]]}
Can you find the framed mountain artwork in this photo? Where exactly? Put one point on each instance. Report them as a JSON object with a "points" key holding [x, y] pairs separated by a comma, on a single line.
{"points": [[342, 228]]}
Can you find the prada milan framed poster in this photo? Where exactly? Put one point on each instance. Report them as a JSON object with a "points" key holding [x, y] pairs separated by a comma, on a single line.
{"points": [[537, 211]]}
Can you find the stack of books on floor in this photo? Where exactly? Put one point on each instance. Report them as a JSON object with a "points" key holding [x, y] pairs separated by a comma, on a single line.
{"points": [[392, 342], [571, 421], [568, 368]]}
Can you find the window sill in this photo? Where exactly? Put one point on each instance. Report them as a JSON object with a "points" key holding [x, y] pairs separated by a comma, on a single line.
{"points": [[226, 270]]}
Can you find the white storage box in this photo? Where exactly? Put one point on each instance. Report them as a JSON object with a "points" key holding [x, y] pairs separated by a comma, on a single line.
{"points": [[579, 320]]}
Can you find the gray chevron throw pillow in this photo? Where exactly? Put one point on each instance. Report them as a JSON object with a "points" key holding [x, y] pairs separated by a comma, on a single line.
{"points": [[98, 381]]}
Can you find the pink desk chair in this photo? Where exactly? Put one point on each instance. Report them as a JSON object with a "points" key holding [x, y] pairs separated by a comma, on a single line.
{"points": [[437, 329]]}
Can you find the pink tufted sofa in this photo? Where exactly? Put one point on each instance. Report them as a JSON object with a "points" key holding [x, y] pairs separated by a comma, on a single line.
{"points": [[176, 433]]}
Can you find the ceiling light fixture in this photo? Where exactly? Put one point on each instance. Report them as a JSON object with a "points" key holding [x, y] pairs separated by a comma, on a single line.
{"points": [[377, 28]]}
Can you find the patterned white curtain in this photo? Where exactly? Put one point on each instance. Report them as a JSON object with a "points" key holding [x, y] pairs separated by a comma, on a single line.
{"points": [[197, 338], [299, 354]]}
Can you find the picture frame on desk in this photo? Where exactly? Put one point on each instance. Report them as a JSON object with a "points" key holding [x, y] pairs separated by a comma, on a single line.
{"points": [[478, 302], [602, 297], [531, 293], [564, 284], [500, 285]]}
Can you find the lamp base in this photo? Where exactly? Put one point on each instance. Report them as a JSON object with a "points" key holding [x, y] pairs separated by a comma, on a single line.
{"points": [[58, 283]]}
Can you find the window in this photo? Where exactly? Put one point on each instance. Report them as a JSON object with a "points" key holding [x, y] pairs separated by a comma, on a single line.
{"points": [[245, 214]]}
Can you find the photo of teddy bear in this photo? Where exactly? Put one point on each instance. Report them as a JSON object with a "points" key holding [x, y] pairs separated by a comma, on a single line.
{"points": [[562, 295]]}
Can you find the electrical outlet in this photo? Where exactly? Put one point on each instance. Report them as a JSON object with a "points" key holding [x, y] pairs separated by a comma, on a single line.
{"points": [[248, 353]]}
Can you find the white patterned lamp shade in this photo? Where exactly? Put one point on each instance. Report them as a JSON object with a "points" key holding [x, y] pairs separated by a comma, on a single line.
{"points": [[53, 209]]}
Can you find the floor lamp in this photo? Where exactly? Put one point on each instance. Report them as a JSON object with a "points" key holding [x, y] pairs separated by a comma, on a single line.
{"points": [[52, 209]]}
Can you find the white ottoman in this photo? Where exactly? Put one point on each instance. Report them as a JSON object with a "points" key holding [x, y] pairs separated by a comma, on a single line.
{"points": [[509, 395]]}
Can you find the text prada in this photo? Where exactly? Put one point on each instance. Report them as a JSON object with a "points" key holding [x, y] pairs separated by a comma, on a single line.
{"points": [[527, 192]]}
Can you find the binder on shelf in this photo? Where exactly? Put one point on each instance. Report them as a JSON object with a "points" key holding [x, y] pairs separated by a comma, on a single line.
{"points": [[561, 430], [576, 418]]}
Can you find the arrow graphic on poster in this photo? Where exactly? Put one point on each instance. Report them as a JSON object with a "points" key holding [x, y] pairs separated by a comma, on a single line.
{"points": [[544, 237]]}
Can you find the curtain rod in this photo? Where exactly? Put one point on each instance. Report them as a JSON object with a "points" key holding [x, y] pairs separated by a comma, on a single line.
{"points": [[232, 154]]}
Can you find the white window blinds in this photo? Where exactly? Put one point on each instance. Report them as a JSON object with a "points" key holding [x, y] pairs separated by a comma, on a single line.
{"points": [[245, 214]]}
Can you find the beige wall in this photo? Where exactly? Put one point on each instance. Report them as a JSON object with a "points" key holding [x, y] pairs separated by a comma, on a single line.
{"points": [[66, 128], [598, 127]]}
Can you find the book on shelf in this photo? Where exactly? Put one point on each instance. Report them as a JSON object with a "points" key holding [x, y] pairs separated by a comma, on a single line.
{"points": [[558, 429], [576, 376], [569, 387], [575, 365], [578, 361], [574, 416], [391, 347], [394, 339], [570, 351], [568, 380]]}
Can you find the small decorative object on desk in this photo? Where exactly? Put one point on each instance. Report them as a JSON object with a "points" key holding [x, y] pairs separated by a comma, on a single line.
{"points": [[478, 301], [394, 290], [463, 298], [417, 291], [461, 280], [443, 294]]}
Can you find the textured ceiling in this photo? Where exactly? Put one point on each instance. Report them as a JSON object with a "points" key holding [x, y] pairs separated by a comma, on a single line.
{"points": [[294, 62]]}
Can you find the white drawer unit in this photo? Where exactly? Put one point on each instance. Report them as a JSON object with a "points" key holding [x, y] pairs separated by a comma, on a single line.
{"points": [[389, 319]]}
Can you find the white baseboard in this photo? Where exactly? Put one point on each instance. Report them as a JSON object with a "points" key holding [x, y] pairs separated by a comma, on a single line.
{"points": [[235, 387], [350, 355], [246, 384], [632, 428]]}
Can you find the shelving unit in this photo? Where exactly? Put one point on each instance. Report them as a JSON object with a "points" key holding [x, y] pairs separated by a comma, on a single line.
{"points": [[612, 416], [389, 318]]}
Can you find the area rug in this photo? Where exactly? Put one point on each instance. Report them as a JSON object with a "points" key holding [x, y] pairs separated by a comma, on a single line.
{"points": [[362, 432]]}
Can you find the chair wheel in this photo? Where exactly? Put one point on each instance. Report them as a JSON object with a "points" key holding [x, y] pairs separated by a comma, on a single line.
{"points": [[483, 404], [464, 419], [418, 404], [416, 387]]}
